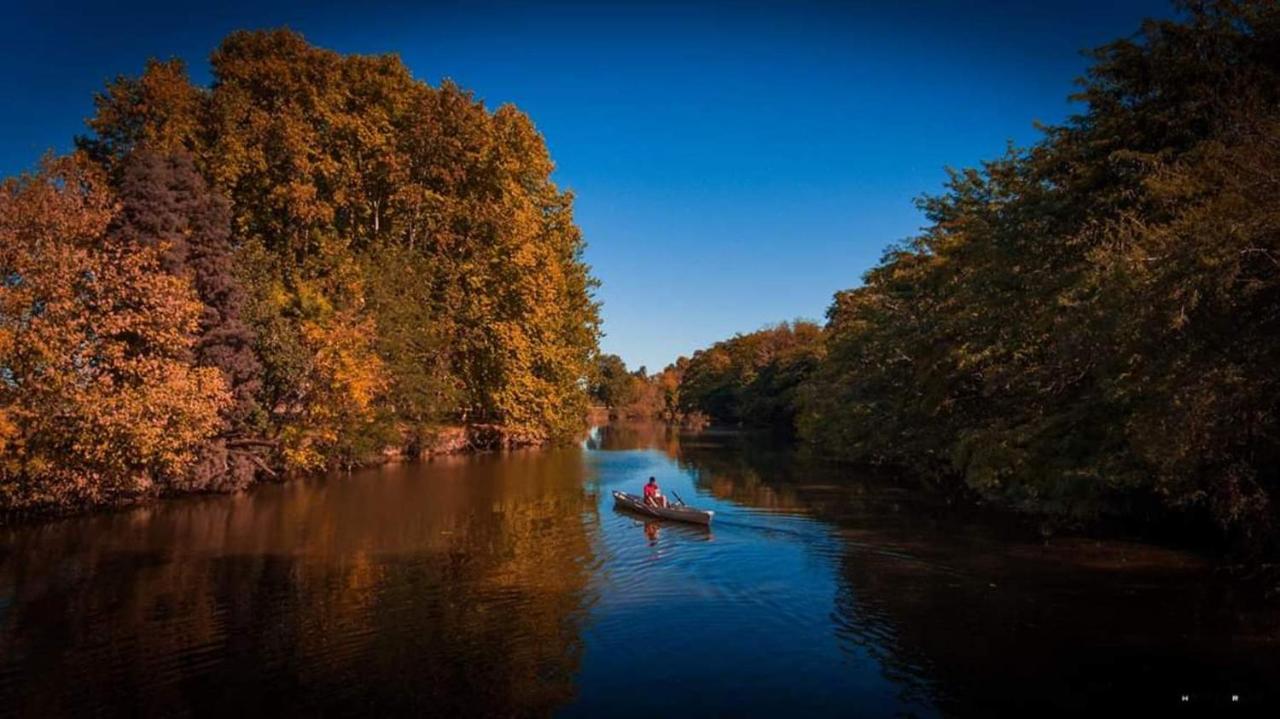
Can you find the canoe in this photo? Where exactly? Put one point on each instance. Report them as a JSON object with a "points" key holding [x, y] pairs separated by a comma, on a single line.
{"points": [[679, 513]]}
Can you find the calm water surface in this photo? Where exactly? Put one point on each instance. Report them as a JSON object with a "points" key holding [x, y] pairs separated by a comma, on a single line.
{"points": [[507, 585]]}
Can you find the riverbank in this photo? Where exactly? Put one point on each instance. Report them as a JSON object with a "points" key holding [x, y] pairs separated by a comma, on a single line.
{"points": [[460, 439], [1133, 518], [442, 441]]}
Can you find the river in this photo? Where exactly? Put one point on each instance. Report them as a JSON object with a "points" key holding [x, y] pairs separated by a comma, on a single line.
{"points": [[508, 585]]}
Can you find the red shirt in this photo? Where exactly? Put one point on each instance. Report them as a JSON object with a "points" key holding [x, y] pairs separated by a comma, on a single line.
{"points": [[650, 490]]}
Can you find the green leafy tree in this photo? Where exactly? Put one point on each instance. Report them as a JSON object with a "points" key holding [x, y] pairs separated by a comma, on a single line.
{"points": [[611, 382], [753, 378], [1090, 321]]}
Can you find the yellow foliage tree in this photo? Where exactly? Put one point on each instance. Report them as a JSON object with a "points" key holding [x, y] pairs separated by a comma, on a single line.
{"points": [[311, 144]]}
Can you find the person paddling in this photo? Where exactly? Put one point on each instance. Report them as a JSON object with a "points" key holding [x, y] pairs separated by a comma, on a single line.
{"points": [[653, 495]]}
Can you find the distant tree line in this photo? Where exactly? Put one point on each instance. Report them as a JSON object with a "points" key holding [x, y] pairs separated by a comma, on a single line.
{"points": [[313, 259], [638, 394], [754, 379], [751, 380], [1086, 322]]}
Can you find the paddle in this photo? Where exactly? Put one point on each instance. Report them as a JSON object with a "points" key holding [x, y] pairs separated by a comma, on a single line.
{"points": [[678, 498]]}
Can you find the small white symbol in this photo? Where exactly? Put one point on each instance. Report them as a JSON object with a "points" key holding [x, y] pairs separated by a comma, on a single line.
{"points": [[1186, 697], [1235, 697]]}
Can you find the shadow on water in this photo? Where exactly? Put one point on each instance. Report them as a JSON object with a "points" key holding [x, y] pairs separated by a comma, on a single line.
{"points": [[981, 616]]}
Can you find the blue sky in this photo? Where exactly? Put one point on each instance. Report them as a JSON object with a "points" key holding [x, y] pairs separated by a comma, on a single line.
{"points": [[735, 163]]}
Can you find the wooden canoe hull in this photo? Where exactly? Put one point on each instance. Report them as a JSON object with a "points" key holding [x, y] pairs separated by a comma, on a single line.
{"points": [[678, 514]]}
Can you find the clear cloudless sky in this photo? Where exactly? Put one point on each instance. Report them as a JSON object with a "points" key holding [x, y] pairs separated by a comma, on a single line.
{"points": [[735, 163]]}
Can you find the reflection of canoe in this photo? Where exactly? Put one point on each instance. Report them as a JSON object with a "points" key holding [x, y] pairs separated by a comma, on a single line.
{"points": [[678, 513]]}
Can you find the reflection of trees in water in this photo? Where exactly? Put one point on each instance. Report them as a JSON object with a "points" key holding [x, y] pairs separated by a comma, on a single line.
{"points": [[620, 436], [458, 586], [755, 471], [978, 615]]}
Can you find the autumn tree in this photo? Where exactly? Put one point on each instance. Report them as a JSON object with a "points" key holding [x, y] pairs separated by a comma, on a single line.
{"points": [[99, 397], [160, 109], [410, 215], [323, 378], [668, 382], [166, 205]]}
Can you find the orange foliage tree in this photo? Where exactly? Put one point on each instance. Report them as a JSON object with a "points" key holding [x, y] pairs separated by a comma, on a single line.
{"points": [[97, 391]]}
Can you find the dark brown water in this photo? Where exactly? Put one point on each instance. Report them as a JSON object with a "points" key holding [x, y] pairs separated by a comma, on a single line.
{"points": [[507, 585]]}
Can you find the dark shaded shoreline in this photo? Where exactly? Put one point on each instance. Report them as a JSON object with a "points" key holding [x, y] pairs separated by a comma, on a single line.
{"points": [[1143, 519]]}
